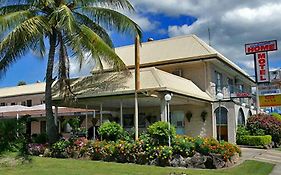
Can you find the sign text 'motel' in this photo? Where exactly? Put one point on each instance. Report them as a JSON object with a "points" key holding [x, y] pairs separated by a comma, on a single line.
{"points": [[264, 46], [262, 69], [260, 50]]}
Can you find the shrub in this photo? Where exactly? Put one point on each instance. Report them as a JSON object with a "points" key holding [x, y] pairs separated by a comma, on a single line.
{"points": [[183, 146], [276, 115], [241, 132], [36, 149], [111, 131], [159, 132], [41, 138], [256, 140], [11, 135], [59, 149], [269, 124]]}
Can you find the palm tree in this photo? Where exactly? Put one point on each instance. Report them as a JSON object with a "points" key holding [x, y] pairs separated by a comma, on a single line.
{"points": [[76, 27]]}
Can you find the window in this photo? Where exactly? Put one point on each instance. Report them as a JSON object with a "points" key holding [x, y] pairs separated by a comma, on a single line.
{"points": [[128, 120], [241, 87], [29, 103], [12, 104], [43, 127], [23, 103], [230, 85], [218, 81], [2, 104]]}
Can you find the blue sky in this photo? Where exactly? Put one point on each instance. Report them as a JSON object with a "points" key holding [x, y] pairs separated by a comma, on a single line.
{"points": [[232, 24]]}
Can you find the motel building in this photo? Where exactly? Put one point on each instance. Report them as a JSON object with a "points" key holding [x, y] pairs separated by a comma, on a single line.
{"points": [[210, 95]]}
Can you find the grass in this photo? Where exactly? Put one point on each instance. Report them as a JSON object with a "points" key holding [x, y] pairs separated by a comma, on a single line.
{"points": [[279, 149], [50, 166]]}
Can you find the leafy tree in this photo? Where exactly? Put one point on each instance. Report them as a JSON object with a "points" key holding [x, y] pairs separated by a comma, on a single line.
{"points": [[76, 27], [21, 83]]}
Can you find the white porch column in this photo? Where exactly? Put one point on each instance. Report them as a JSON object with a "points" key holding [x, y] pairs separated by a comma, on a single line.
{"points": [[56, 115], [94, 126], [163, 110], [101, 114], [86, 125], [121, 113]]}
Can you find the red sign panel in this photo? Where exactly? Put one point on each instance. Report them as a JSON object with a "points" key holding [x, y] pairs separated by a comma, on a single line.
{"points": [[262, 69], [264, 46]]}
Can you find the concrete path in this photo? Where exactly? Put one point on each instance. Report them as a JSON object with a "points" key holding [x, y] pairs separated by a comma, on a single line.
{"points": [[271, 156]]}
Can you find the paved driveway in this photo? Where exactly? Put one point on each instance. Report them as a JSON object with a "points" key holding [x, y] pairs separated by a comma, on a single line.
{"points": [[270, 155]]}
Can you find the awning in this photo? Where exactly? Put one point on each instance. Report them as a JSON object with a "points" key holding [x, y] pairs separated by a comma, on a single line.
{"points": [[37, 111]]}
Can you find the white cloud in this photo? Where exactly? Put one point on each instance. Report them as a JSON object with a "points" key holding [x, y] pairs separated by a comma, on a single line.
{"points": [[231, 23], [178, 30]]}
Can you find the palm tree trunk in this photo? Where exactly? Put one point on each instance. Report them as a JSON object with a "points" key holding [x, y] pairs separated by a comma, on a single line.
{"points": [[52, 129]]}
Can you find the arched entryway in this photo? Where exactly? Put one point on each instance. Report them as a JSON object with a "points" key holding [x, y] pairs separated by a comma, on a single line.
{"points": [[221, 121], [241, 117], [250, 113]]}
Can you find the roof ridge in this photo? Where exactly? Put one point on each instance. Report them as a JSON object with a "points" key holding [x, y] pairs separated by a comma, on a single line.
{"points": [[10, 87], [157, 41]]}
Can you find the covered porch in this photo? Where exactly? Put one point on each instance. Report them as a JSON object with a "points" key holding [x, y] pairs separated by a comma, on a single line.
{"points": [[190, 108]]}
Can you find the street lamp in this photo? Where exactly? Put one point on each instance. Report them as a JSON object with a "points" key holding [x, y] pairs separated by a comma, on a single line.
{"points": [[168, 98], [243, 104], [220, 98]]}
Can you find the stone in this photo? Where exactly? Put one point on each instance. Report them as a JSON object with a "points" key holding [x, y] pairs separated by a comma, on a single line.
{"points": [[218, 161], [198, 161]]}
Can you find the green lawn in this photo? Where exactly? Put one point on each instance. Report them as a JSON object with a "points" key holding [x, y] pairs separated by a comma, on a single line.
{"points": [[49, 166], [279, 149]]}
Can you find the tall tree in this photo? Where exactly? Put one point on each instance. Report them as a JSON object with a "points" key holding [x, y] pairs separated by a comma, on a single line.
{"points": [[76, 27]]}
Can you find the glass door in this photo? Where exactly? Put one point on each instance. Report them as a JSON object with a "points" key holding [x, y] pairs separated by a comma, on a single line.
{"points": [[177, 120]]}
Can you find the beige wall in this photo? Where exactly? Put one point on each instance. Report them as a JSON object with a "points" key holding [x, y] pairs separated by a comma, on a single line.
{"points": [[35, 127], [36, 99], [195, 71]]}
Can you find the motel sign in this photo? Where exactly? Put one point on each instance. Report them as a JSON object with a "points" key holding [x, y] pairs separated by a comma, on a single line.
{"points": [[260, 51], [264, 46]]}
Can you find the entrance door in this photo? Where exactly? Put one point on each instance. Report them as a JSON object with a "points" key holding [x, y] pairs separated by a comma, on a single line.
{"points": [[177, 119], [221, 119]]}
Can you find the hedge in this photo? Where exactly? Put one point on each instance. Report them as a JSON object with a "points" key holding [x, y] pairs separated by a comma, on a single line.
{"points": [[256, 140]]}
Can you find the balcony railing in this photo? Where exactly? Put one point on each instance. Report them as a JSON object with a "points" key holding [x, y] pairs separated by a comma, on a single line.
{"points": [[232, 92]]}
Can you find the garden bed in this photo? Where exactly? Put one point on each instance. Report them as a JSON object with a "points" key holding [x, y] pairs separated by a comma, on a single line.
{"points": [[151, 149]]}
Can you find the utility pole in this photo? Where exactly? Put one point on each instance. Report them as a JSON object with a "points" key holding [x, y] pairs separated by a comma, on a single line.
{"points": [[137, 84]]}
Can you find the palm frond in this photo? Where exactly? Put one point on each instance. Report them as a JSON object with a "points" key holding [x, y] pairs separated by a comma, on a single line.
{"points": [[62, 18], [113, 20], [10, 20], [113, 4], [83, 19], [19, 41], [13, 8], [39, 48], [96, 46]]}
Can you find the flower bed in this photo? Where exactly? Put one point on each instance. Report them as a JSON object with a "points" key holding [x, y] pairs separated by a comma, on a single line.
{"points": [[152, 149]]}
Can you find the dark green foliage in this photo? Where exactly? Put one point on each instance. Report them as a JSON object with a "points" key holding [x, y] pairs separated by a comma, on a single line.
{"points": [[276, 115], [111, 131], [159, 132], [11, 134], [183, 146], [241, 132], [255, 140], [40, 138], [269, 124], [59, 149]]}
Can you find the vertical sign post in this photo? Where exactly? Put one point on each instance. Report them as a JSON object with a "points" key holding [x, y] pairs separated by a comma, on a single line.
{"points": [[260, 51], [137, 84]]}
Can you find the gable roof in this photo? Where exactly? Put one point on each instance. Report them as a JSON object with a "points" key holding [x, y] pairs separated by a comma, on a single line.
{"points": [[173, 50], [28, 89]]}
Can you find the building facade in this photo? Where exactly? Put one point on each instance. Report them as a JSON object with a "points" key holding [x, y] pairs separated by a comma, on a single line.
{"points": [[185, 67]]}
